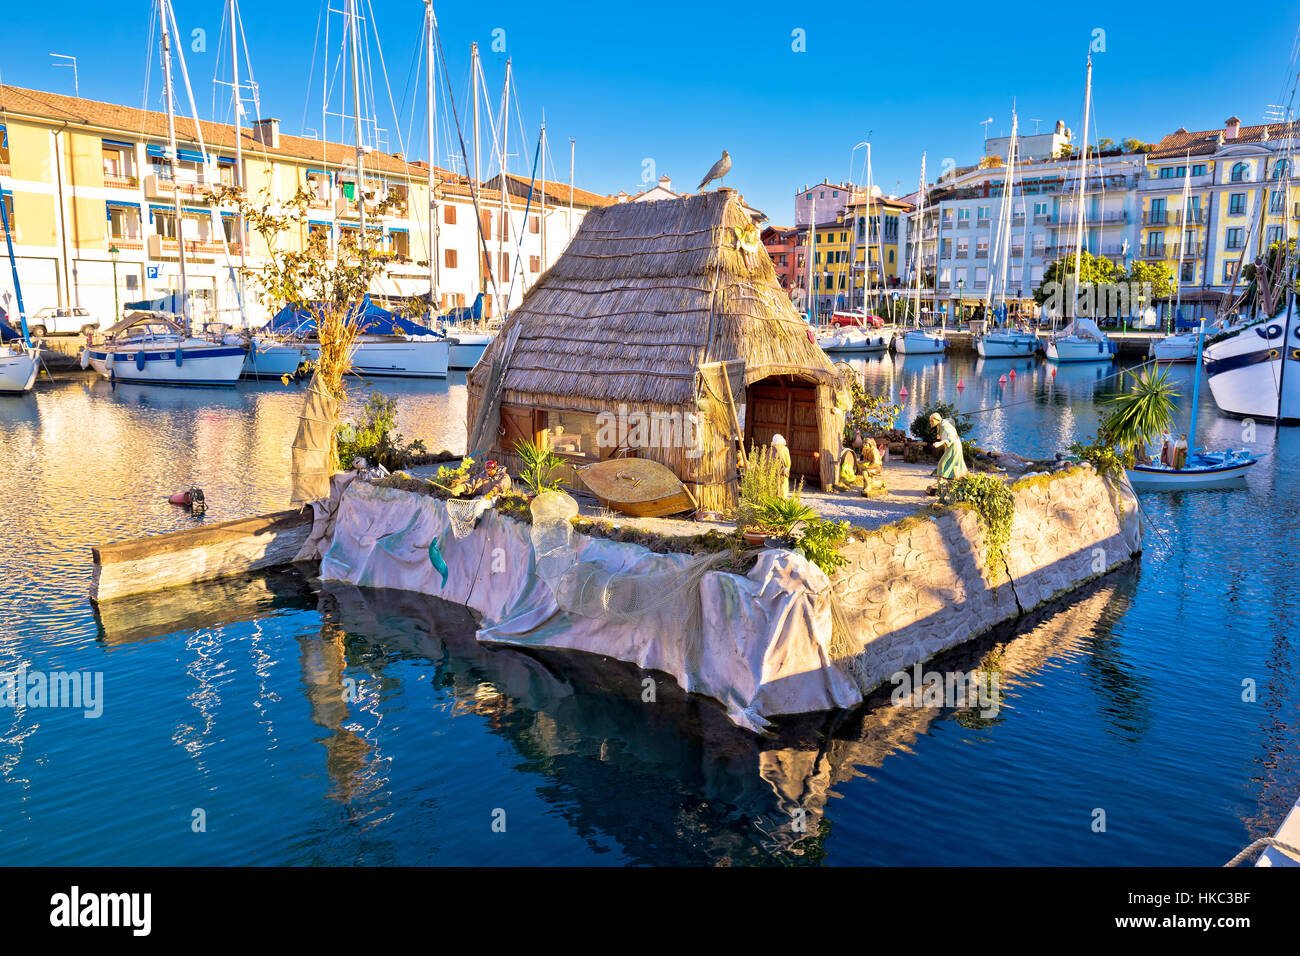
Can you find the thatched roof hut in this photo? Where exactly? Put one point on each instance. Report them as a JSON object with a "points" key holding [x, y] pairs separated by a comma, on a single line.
{"points": [[665, 313]]}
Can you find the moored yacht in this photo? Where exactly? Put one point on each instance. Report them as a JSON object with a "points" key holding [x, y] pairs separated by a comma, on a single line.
{"points": [[152, 348]]}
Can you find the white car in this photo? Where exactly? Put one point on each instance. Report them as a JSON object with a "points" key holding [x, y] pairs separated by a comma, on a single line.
{"points": [[55, 321]]}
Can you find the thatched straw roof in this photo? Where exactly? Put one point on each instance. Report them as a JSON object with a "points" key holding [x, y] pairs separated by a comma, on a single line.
{"points": [[645, 293]]}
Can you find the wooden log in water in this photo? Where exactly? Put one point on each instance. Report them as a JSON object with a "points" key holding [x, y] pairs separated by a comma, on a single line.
{"points": [[162, 561]]}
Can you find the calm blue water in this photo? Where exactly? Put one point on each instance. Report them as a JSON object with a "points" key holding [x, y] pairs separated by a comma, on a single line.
{"points": [[222, 702]]}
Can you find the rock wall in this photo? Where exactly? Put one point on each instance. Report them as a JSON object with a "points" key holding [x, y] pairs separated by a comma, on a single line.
{"points": [[921, 586], [767, 644]]}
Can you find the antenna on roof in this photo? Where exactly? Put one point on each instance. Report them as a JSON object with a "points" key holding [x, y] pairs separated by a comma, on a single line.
{"points": [[76, 86], [1035, 122], [986, 123], [1274, 113]]}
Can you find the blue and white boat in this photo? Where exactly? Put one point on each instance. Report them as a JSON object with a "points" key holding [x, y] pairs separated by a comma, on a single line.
{"points": [[152, 348], [388, 345], [1202, 470]]}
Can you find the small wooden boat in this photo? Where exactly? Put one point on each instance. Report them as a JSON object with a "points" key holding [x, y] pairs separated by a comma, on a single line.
{"points": [[1202, 471], [637, 487]]}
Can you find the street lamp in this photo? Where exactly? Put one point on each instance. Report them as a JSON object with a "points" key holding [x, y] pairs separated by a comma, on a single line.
{"points": [[961, 296], [113, 253]]}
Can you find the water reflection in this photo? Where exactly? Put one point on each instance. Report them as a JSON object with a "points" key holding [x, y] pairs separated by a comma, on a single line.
{"points": [[672, 781]]}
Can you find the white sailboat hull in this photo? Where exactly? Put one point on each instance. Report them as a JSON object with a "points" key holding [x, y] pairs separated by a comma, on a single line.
{"points": [[1174, 348], [1006, 345], [17, 372], [1074, 349], [465, 349], [272, 360], [877, 340], [920, 342], [397, 358], [156, 363], [1255, 371]]}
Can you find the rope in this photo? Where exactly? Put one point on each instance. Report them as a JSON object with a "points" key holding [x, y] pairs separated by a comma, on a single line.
{"points": [[1259, 845]]}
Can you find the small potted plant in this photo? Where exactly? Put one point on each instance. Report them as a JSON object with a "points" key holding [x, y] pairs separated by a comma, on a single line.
{"points": [[782, 517]]}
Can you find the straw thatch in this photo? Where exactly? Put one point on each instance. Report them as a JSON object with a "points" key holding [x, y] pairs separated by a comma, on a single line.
{"points": [[643, 297]]}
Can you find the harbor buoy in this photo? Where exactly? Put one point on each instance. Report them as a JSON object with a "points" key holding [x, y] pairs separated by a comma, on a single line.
{"points": [[1002, 380], [902, 392], [1012, 373], [960, 385], [182, 499], [1053, 371]]}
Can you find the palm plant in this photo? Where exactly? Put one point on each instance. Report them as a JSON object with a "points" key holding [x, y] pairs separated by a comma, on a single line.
{"points": [[536, 463], [782, 515], [1142, 413]]}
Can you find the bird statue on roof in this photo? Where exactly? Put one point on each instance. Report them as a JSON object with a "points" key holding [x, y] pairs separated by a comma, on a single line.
{"points": [[719, 170]]}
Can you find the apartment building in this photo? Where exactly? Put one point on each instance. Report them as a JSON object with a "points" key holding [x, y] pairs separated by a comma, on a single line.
{"points": [[90, 188], [1238, 204], [958, 234]]}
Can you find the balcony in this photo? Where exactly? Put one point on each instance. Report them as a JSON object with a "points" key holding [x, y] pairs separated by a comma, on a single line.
{"points": [[1151, 252], [112, 181], [981, 253], [963, 254], [158, 187], [159, 247], [963, 223], [124, 244], [1017, 253], [1042, 218]]}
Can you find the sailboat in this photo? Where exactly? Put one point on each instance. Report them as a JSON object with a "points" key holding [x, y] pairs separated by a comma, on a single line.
{"points": [[1179, 347], [1254, 367], [1081, 340], [18, 359], [1201, 469], [916, 340], [1000, 341]]}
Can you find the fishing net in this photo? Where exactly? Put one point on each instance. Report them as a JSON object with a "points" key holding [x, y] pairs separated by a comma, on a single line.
{"points": [[591, 589], [313, 452], [463, 514]]}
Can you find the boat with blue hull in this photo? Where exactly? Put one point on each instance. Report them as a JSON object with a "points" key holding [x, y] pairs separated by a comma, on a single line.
{"points": [[153, 349]]}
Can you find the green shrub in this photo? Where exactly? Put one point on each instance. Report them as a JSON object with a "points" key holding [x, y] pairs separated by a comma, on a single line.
{"points": [[993, 503], [820, 543], [760, 482], [375, 437], [781, 515]]}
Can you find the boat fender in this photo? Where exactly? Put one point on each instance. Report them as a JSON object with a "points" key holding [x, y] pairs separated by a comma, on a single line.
{"points": [[85, 358], [110, 360], [139, 360], [180, 358]]}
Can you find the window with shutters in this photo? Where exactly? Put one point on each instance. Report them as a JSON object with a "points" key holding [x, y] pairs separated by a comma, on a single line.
{"points": [[449, 258], [449, 214], [534, 264], [535, 225]]}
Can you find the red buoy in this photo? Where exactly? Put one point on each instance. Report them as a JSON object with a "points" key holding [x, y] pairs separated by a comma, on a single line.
{"points": [[960, 385], [182, 499], [1013, 373]]}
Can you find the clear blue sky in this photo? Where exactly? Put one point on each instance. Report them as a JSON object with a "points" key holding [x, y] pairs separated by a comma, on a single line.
{"points": [[676, 82]]}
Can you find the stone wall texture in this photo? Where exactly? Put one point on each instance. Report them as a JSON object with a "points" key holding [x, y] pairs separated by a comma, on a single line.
{"points": [[911, 592]]}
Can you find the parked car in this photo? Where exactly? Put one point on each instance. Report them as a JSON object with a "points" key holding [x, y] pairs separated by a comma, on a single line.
{"points": [[862, 320], [54, 321]]}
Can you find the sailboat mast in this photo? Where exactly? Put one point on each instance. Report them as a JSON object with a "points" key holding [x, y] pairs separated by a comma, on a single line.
{"points": [[917, 247], [239, 153], [353, 16], [1083, 180], [812, 251], [572, 149], [429, 25], [164, 15], [473, 82], [501, 192], [1182, 249], [541, 218]]}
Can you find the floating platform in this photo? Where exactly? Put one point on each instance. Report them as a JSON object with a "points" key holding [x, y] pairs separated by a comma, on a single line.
{"points": [[205, 553], [767, 642]]}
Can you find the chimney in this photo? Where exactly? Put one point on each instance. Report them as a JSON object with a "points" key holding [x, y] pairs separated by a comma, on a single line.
{"points": [[1232, 126], [267, 132], [665, 182]]}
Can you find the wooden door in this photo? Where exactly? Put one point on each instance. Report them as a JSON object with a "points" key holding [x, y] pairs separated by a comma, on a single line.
{"points": [[789, 408]]}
